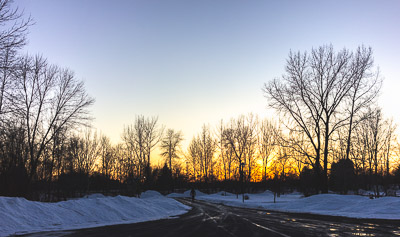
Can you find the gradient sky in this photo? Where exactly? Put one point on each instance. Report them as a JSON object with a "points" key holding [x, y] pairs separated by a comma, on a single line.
{"points": [[194, 62]]}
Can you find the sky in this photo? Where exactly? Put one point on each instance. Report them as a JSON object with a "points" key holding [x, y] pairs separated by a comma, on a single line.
{"points": [[196, 62]]}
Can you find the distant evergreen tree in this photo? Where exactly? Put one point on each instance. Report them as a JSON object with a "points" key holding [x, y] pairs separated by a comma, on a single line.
{"points": [[343, 176], [308, 182], [165, 178], [396, 175]]}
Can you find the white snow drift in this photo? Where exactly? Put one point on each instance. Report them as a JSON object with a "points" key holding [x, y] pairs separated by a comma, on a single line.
{"points": [[324, 204], [18, 215]]}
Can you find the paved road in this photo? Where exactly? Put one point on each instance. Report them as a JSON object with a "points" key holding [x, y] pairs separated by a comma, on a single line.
{"points": [[207, 219]]}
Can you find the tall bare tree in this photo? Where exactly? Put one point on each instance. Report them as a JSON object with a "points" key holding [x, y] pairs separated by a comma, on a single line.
{"points": [[238, 136], [170, 145], [90, 145], [153, 134], [389, 141], [50, 100], [194, 159], [366, 85], [205, 149], [225, 152], [267, 143], [251, 148], [13, 30], [140, 139], [312, 95], [107, 155]]}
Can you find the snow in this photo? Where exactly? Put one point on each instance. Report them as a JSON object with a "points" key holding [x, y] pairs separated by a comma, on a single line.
{"points": [[325, 204], [186, 194], [151, 194], [20, 216]]}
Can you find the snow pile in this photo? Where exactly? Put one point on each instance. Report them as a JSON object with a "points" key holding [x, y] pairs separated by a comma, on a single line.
{"points": [[324, 204], [18, 215], [95, 195], [151, 194], [185, 194]]}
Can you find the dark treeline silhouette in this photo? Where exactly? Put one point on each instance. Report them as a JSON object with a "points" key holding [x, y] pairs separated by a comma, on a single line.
{"points": [[329, 133]]}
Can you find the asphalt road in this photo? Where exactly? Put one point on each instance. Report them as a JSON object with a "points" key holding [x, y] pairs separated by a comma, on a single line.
{"points": [[207, 219]]}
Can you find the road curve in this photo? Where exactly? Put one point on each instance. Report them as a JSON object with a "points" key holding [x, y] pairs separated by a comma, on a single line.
{"points": [[208, 219]]}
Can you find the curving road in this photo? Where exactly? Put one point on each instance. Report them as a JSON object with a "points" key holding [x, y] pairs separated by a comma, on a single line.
{"points": [[208, 219]]}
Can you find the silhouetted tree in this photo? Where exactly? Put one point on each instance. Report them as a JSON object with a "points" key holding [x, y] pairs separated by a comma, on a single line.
{"points": [[50, 99], [312, 95], [226, 154], [140, 139], [308, 181], [170, 145], [13, 31], [238, 136], [396, 174], [267, 143], [203, 148], [165, 178], [107, 156], [365, 87], [343, 177]]}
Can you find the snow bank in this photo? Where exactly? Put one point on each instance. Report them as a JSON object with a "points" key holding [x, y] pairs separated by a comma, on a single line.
{"points": [[18, 215], [151, 194], [95, 195], [325, 204], [185, 194]]}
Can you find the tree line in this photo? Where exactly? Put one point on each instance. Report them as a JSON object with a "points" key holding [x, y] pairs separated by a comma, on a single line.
{"points": [[328, 133]]}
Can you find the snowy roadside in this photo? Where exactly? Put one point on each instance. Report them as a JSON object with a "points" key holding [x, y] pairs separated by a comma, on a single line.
{"points": [[20, 216], [325, 204]]}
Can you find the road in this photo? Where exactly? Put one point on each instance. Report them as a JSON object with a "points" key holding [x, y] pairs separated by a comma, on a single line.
{"points": [[207, 219]]}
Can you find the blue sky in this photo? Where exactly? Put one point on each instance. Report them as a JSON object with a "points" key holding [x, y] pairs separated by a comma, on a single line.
{"points": [[195, 62]]}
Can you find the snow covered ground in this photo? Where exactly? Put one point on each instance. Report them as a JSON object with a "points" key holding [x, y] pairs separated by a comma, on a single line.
{"points": [[18, 215], [325, 204]]}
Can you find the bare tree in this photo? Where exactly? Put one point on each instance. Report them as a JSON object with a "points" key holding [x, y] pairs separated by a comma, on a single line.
{"points": [[85, 149], [140, 139], [375, 139], [90, 146], [75, 154], [390, 129], [204, 147], [207, 149], [312, 95], [133, 138], [225, 152], [153, 135], [107, 155], [12, 38], [170, 145], [193, 158], [267, 143], [251, 148], [365, 88], [51, 100], [238, 135]]}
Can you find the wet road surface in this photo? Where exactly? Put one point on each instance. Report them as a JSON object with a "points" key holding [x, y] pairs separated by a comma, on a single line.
{"points": [[208, 219]]}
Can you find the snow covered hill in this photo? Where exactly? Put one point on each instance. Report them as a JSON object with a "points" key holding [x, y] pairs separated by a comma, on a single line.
{"points": [[18, 215], [324, 204]]}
